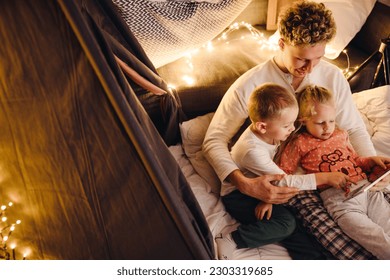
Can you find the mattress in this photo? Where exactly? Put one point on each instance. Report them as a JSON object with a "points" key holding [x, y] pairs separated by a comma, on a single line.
{"points": [[374, 107]]}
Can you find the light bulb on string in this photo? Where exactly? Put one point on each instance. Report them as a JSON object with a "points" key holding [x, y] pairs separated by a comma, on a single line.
{"points": [[225, 37], [6, 230]]}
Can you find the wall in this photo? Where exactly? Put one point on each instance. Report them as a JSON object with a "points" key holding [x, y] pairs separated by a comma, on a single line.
{"points": [[255, 13]]}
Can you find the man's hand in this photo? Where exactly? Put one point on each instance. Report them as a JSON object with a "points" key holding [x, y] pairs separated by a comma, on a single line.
{"points": [[383, 162], [261, 187]]}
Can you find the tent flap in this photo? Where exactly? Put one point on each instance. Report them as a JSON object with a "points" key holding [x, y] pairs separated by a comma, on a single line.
{"points": [[88, 172]]}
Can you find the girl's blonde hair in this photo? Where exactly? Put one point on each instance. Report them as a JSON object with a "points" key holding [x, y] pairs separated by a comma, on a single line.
{"points": [[309, 97], [268, 101]]}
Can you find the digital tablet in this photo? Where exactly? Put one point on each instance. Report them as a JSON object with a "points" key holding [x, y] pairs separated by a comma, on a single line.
{"points": [[379, 184]]}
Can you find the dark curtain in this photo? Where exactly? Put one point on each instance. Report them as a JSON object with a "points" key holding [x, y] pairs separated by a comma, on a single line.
{"points": [[88, 172]]}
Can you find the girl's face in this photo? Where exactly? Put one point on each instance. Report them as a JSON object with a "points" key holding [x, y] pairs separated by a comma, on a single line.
{"points": [[300, 60], [278, 129], [323, 123]]}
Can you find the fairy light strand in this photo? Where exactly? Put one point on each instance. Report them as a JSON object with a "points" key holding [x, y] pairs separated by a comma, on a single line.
{"points": [[265, 44], [6, 230]]}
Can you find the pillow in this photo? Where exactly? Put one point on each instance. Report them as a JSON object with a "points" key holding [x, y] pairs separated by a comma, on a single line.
{"points": [[374, 107], [193, 133], [350, 15], [212, 71]]}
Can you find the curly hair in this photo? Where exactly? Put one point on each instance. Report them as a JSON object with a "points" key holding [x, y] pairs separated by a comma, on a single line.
{"points": [[306, 23]]}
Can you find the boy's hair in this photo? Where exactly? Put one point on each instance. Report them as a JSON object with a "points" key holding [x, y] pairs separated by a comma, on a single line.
{"points": [[306, 23], [268, 100], [308, 97]]}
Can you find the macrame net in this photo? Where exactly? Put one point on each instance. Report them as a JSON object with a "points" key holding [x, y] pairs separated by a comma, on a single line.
{"points": [[167, 30]]}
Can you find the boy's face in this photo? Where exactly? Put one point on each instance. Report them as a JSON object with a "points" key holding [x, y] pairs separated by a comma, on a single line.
{"points": [[280, 128], [322, 124], [300, 60]]}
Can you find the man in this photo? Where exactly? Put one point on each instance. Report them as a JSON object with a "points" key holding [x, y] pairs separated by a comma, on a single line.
{"points": [[305, 28]]}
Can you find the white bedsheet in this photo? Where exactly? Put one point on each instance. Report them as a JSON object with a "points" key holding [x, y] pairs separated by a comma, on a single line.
{"points": [[216, 216], [374, 107]]}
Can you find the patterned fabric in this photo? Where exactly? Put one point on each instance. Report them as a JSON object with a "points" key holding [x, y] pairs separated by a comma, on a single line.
{"points": [[166, 30], [334, 154], [310, 209], [308, 151]]}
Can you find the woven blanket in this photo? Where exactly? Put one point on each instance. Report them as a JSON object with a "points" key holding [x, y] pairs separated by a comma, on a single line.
{"points": [[168, 29]]}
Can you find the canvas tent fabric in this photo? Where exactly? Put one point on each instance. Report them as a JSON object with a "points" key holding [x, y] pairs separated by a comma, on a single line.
{"points": [[89, 172]]}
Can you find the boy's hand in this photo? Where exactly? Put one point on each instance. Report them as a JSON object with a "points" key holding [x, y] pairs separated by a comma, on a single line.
{"points": [[262, 210], [337, 180]]}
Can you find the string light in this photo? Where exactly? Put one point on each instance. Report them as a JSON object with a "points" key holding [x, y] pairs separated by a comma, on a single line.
{"points": [[6, 231], [189, 80], [225, 38], [255, 34], [265, 44], [346, 71], [349, 70]]}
